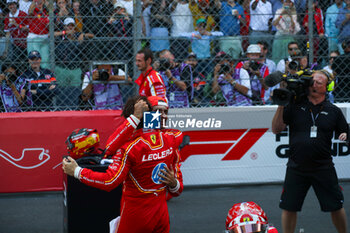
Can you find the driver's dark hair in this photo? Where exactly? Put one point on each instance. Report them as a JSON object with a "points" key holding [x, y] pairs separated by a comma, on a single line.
{"points": [[129, 107]]}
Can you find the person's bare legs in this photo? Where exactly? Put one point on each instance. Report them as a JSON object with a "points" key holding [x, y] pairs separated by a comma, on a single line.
{"points": [[289, 221], [339, 220]]}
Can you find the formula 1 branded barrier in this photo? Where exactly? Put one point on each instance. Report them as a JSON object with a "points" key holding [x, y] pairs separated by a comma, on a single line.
{"points": [[33, 143], [227, 146]]}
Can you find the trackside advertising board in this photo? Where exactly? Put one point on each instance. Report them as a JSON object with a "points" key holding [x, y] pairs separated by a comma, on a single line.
{"points": [[224, 146]]}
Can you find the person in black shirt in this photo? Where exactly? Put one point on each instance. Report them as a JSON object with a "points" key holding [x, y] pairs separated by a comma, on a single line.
{"points": [[41, 83], [311, 126]]}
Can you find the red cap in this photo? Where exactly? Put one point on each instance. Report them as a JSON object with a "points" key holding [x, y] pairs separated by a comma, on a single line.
{"points": [[157, 101]]}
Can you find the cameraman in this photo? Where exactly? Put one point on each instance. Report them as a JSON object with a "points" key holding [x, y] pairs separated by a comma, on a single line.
{"points": [[99, 92], [312, 123], [177, 78], [12, 89], [234, 84], [257, 72]]}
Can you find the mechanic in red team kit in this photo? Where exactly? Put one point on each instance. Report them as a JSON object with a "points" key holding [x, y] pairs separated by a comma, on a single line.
{"points": [[148, 166]]}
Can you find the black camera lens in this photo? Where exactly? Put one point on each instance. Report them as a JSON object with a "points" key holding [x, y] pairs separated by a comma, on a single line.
{"points": [[293, 65], [255, 65], [103, 75], [164, 64], [225, 68]]}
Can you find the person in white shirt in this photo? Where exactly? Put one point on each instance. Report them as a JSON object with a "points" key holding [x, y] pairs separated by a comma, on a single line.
{"points": [[260, 21]]}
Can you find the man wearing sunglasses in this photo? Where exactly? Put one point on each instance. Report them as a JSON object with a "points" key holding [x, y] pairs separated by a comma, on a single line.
{"points": [[293, 50]]}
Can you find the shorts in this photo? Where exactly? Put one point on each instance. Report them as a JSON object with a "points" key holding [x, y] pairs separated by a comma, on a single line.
{"points": [[324, 182]]}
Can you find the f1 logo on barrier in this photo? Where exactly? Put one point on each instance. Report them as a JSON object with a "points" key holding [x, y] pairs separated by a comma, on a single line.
{"points": [[232, 143]]}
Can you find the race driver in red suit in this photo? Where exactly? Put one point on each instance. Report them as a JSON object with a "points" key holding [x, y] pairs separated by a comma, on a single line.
{"points": [[148, 166]]}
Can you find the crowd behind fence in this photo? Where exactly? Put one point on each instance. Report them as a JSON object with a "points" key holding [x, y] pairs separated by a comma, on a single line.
{"points": [[79, 55]]}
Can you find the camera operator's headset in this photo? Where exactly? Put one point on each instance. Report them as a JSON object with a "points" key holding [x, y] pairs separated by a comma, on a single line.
{"points": [[330, 80]]}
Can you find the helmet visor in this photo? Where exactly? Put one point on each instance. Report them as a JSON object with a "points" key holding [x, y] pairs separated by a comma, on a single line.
{"points": [[249, 228]]}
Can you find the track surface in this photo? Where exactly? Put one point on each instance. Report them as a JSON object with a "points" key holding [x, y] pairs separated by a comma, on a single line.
{"points": [[197, 210]]}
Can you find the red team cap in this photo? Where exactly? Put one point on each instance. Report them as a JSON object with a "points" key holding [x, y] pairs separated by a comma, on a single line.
{"points": [[157, 101], [246, 217]]}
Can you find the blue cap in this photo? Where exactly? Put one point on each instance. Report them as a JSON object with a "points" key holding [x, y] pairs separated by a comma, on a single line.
{"points": [[34, 54]]}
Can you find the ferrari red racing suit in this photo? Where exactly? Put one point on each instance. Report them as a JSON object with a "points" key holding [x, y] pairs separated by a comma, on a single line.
{"points": [[137, 164]]}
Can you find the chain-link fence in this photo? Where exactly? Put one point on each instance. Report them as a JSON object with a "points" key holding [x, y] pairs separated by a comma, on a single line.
{"points": [[79, 55]]}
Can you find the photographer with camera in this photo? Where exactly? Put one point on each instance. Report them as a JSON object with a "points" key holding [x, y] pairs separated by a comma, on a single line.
{"points": [[99, 92], [312, 123], [177, 78], [12, 90], [234, 84], [257, 72]]}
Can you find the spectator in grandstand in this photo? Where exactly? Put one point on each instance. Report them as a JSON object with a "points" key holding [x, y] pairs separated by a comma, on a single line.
{"points": [[293, 50], [120, 26], [201, 10], [3, 39], [24, 5], [264, 46], [95, 14], [333, 55], [276, 4], [177, 78], [68, 61], [341, 70], [201, 39], [61, 12], [146, 12], [245, 27], [199, 81], [260, 21], [287, 26], [99, 92], [310, 160], [270, 64], [17, 28], [343, 24], [129, 6], [234, 84], [38, 37], [77, 16], [320, 43], [300, 6], [181, 17], [150, 82], [160, 23], [257, 72], [41, 83], [332, 31], [231, 17], [13, 90]]}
